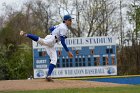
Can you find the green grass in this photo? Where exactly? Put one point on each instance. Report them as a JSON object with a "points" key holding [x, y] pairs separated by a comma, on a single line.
{"points": [[125, 89]]}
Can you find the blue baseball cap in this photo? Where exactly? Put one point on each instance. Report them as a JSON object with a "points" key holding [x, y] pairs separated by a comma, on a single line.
{"points": [[67, 17]]}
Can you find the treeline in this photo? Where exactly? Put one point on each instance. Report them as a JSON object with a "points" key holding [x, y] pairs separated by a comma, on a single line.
{"points": [[92, 18], [129, 60]]}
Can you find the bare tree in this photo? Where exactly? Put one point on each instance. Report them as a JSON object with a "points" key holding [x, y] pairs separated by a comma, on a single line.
{"points": [[41, 11], [98, 16], [1, 21]]}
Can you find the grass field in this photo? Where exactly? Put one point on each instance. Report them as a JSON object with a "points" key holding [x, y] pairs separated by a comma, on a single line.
{"points": [[125, 89]]}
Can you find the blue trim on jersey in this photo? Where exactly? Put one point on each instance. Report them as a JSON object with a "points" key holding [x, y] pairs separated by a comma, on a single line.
{"points": [[33, 37], [52, 28], [62, 39]]}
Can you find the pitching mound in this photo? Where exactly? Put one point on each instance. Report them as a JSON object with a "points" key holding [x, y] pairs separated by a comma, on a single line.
{"points": [[40, 84]]}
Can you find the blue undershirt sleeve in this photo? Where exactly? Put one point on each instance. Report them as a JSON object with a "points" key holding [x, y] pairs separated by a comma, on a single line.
{"points": [[62, 39]]}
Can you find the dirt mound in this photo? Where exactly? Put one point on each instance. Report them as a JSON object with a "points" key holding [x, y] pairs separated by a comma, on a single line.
{"points": [[39, 84]]}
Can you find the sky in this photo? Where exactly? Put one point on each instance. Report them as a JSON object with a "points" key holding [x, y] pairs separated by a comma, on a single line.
{"points": [[16, 4]]}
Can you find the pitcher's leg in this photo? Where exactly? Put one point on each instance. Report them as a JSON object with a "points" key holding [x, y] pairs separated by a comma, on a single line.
{"points": [[53, 56], [36, 38], [31, 36]]}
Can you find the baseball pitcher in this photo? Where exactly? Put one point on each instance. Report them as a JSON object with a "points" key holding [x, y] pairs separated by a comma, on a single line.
{"points": [[58, 33]]}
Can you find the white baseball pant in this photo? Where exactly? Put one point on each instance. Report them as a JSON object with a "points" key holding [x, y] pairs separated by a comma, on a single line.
{"points": [[49, 41]]}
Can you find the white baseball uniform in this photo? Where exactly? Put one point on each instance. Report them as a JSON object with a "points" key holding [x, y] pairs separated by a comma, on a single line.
{"points": [[50, 40]]}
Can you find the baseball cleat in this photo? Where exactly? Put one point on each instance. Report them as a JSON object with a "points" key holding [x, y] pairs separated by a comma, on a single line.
{"points": [[22, 33], [49, 79]]}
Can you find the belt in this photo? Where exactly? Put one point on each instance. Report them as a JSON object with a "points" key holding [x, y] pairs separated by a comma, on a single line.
{"points": [[56, 39]]}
